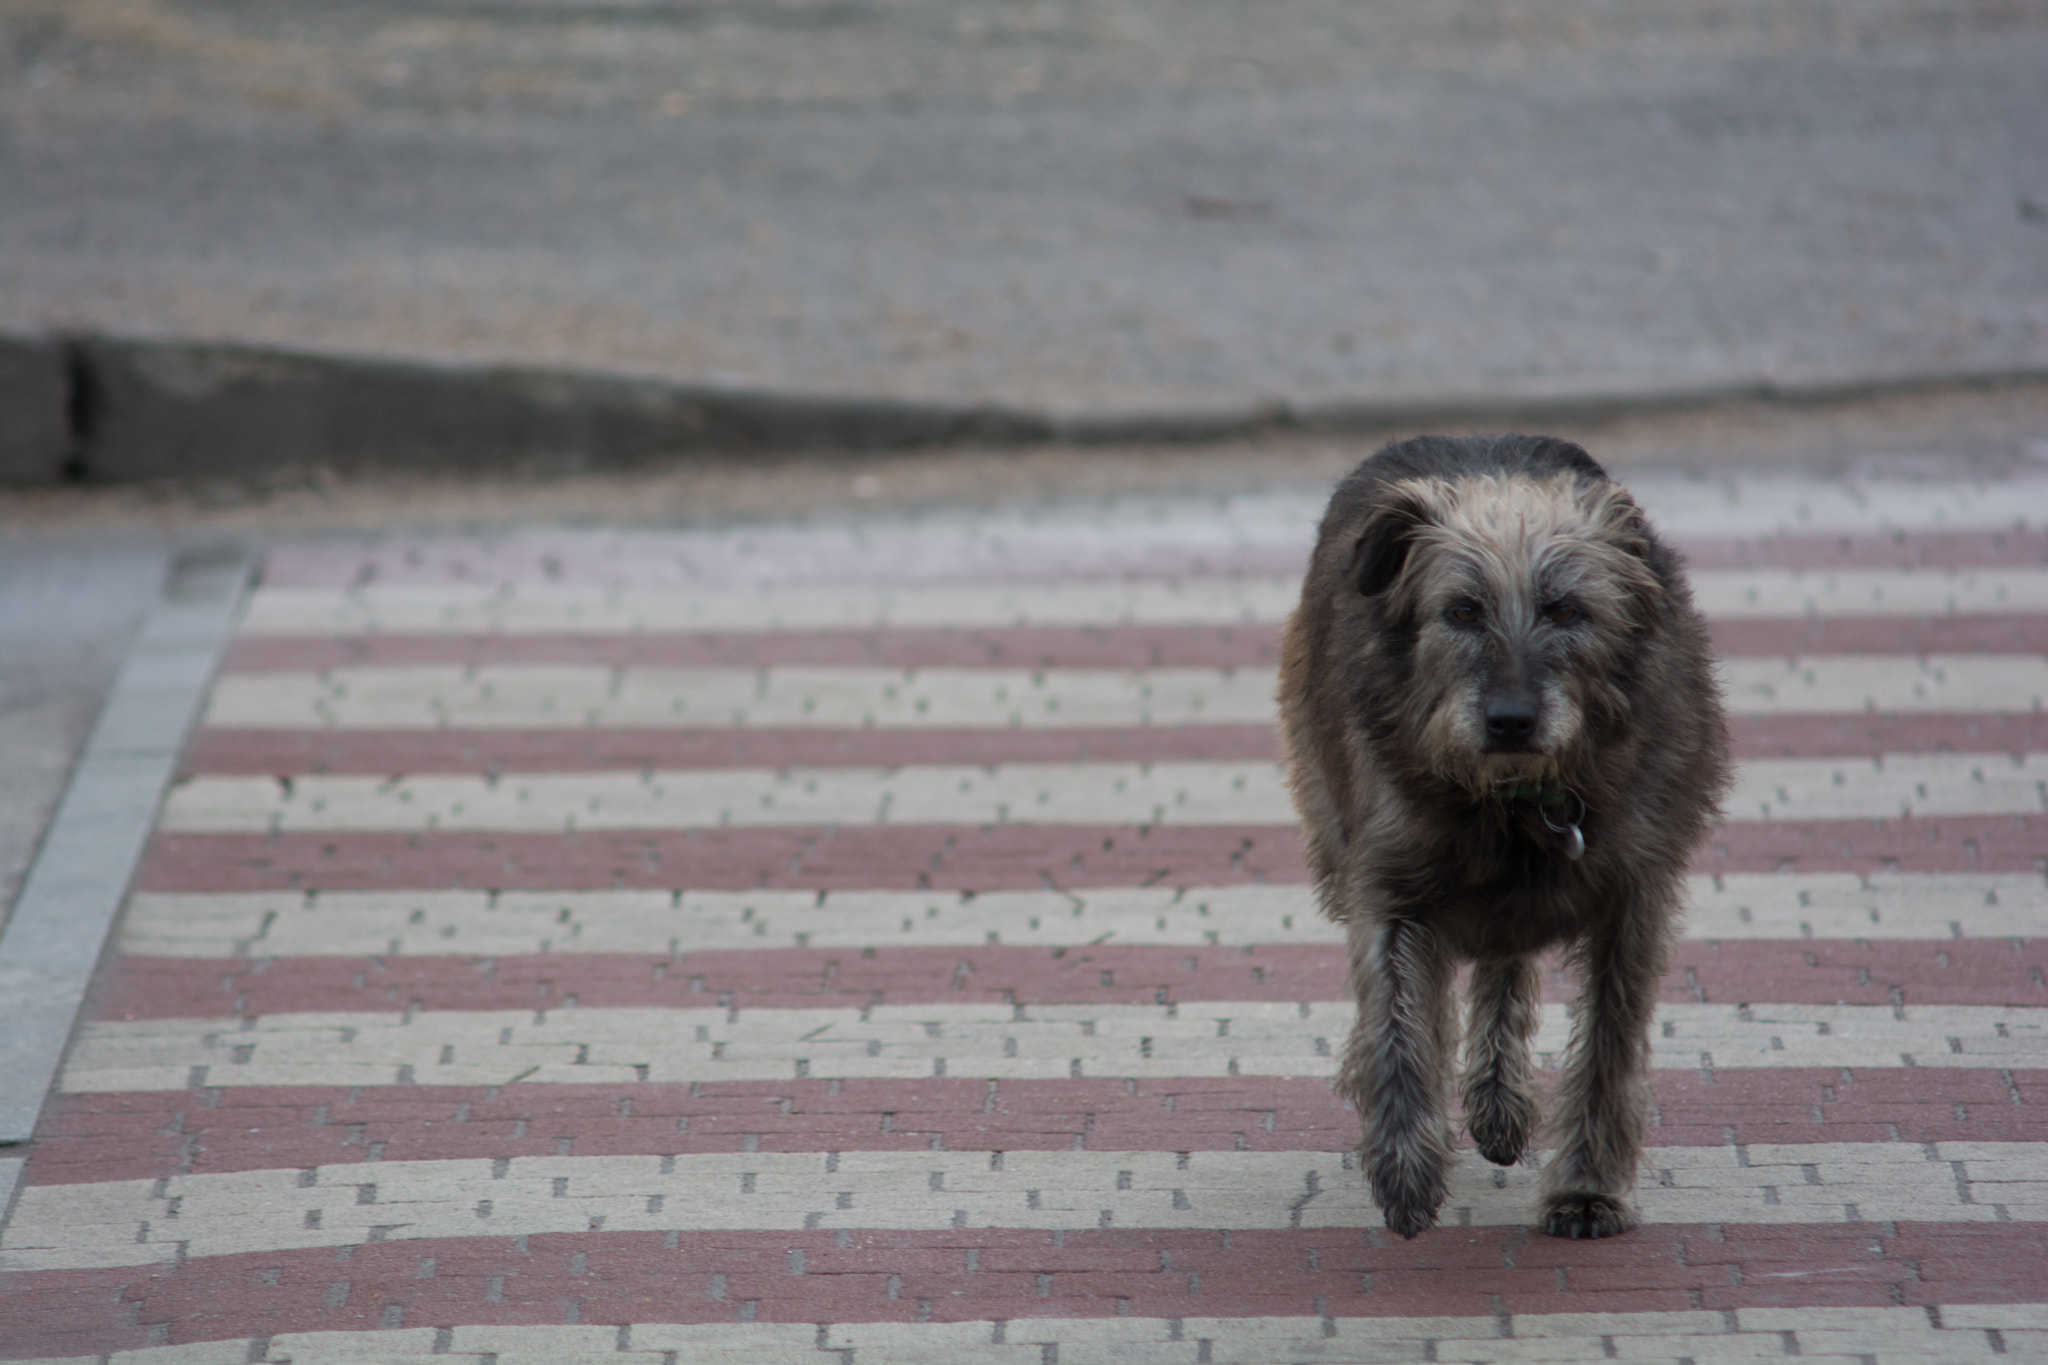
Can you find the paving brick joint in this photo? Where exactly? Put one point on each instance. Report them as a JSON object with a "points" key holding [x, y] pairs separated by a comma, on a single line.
{"points": [[890, 943]]}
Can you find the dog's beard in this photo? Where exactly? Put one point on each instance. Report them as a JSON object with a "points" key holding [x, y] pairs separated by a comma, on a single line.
{"points": [[1454, 739]]}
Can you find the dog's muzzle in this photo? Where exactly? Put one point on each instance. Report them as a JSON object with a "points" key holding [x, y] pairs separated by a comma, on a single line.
{"points": [[1511, 722]]}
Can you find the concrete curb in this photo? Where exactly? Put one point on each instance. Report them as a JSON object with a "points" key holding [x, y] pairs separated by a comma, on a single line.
{"points": [[122, 410], [59, 926], [35, 421], [165, 409], [10, 1181]]}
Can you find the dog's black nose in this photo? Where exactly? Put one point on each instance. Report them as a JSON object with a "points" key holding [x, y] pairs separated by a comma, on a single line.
{"points": [[1510, 721]]}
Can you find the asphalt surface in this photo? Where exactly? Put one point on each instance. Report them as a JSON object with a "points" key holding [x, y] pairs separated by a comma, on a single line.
{"points": [[1092, 211]]}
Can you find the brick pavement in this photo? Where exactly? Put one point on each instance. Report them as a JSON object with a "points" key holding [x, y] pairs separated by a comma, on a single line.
{"points": [[886, 941]]}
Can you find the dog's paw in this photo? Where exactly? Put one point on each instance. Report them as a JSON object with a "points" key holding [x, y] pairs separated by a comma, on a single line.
{"points": [[1502, 1149], [1410, 1221], [1409, 1195], [1500, 1125], [1576, 1214]]}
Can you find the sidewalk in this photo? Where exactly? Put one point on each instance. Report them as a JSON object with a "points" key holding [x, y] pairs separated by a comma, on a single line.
{"points": [[886, 941]]}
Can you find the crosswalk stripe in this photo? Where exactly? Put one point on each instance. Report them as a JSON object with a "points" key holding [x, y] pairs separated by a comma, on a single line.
{"points": [[399, 923], [1218, 793], [1837, 971], [1751, 519], [138, 1222], [525, 607], [137, 1134], [540, 695], [272, 752], [1749, 1333], [956, 857], [1111, 648], [1192, 1038]]}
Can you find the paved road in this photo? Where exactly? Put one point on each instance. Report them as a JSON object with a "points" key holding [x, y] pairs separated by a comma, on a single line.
{"points": [[888, 937], [1089, 210]]}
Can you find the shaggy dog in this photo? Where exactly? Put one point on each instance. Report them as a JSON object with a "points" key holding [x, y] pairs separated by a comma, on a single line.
{"points": [[1504, 734]]}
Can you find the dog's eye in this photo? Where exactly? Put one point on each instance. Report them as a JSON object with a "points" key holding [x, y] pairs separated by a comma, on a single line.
{"points": [[1560, 613], [1465, 614]]}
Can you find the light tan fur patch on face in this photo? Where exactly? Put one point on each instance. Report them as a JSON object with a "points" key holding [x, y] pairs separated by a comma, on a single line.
{"points": [[1514, 549], [1568, 536], [1451, 737]]}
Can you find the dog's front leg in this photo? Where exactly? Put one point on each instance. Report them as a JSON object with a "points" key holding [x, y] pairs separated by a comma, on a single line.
{"points": [[1604, 1101], [1500, 1110], [1396, 1066]]}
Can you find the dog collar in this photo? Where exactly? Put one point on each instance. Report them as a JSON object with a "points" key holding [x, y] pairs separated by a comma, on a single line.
{"points": [[1549, 796]]}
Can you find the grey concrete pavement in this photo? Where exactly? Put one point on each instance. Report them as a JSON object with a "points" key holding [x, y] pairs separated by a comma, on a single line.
{"points": [[1081, 212], [70, 604], [58, 923]]}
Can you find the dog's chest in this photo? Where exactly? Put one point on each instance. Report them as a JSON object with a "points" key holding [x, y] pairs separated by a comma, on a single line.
{"points": [[1521, 894]]}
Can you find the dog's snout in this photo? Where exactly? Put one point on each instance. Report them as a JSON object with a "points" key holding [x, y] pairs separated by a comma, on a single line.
{"points": [[1510, 720]]}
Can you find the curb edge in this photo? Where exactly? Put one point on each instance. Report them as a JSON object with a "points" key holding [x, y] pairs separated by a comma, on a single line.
{"points": [[112, 409]]}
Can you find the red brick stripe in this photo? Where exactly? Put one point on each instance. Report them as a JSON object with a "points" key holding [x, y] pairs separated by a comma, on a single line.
{"points": [[2005, 547], [909, 554], [1234, 646], [1016, 1275], [268, 752], [584, 750], [880, 857], [141, 1135], [1835, 734], [1984, 843], [1987, 634], [1822, 971], [966, 857]]}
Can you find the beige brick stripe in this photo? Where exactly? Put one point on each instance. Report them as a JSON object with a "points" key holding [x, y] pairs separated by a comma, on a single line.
{"points": [[138, 1222], [400, 923], [538, 695], [1197, 1038], [1936, 784], [1753, 519], [1889, 1335], [526, 696], [525, 607]]}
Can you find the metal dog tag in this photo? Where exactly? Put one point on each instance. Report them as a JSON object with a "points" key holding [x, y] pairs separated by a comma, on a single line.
{"points": [[1574, 842]]}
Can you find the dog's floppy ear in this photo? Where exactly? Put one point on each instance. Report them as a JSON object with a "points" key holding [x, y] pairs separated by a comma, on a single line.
{"points": [[1647, 569], [1382, 548], [1621, 520]]}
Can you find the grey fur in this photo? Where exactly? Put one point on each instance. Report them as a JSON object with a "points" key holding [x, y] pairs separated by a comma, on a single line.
{"points": [[1485, 622]]}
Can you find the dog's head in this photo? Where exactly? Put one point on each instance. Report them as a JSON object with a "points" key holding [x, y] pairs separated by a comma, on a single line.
{"points": [[1515, 602]]}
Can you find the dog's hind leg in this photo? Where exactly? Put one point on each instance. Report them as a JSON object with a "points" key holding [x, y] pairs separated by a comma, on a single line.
{"points": [[1604, 1101], [1396, 1067], [1500, 1111]]}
